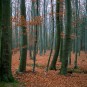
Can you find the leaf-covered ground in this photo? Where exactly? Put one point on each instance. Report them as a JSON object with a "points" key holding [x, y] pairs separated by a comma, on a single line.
{"points": [[52, 78]]}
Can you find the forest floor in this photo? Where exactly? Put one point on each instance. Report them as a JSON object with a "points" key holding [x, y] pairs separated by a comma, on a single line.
{"points": [[51, 78]]}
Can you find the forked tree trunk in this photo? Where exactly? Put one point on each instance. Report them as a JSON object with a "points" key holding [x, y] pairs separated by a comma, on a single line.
{"points": [[57, 47]]}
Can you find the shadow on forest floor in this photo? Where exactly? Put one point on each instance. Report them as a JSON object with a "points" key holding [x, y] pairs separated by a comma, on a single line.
{"points": [[3, 84]]}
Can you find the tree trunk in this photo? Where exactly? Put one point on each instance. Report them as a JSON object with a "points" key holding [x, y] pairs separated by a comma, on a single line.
{"points": [[6, 43], [23, 39], [67, 39], [57, 47]]}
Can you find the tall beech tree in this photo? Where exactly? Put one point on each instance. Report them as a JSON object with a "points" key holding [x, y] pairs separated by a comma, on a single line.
{"points": [[67, 39], [52, 42], [23, 38], [6, 42], [57, 47], [36, 14]]}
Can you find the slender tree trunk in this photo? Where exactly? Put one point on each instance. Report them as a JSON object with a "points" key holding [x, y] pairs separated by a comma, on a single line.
{"points": [[0, 33], [23, 39], [76, 39], [36, 33], [52, 42], [57, 47]]}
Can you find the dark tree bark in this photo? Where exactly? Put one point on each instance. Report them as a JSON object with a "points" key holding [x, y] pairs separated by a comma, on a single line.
{"points": [[6, 42], [67, 39]]}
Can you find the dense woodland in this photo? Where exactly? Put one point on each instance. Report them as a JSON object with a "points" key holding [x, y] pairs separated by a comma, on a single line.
{"points": [[39, 27]]}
